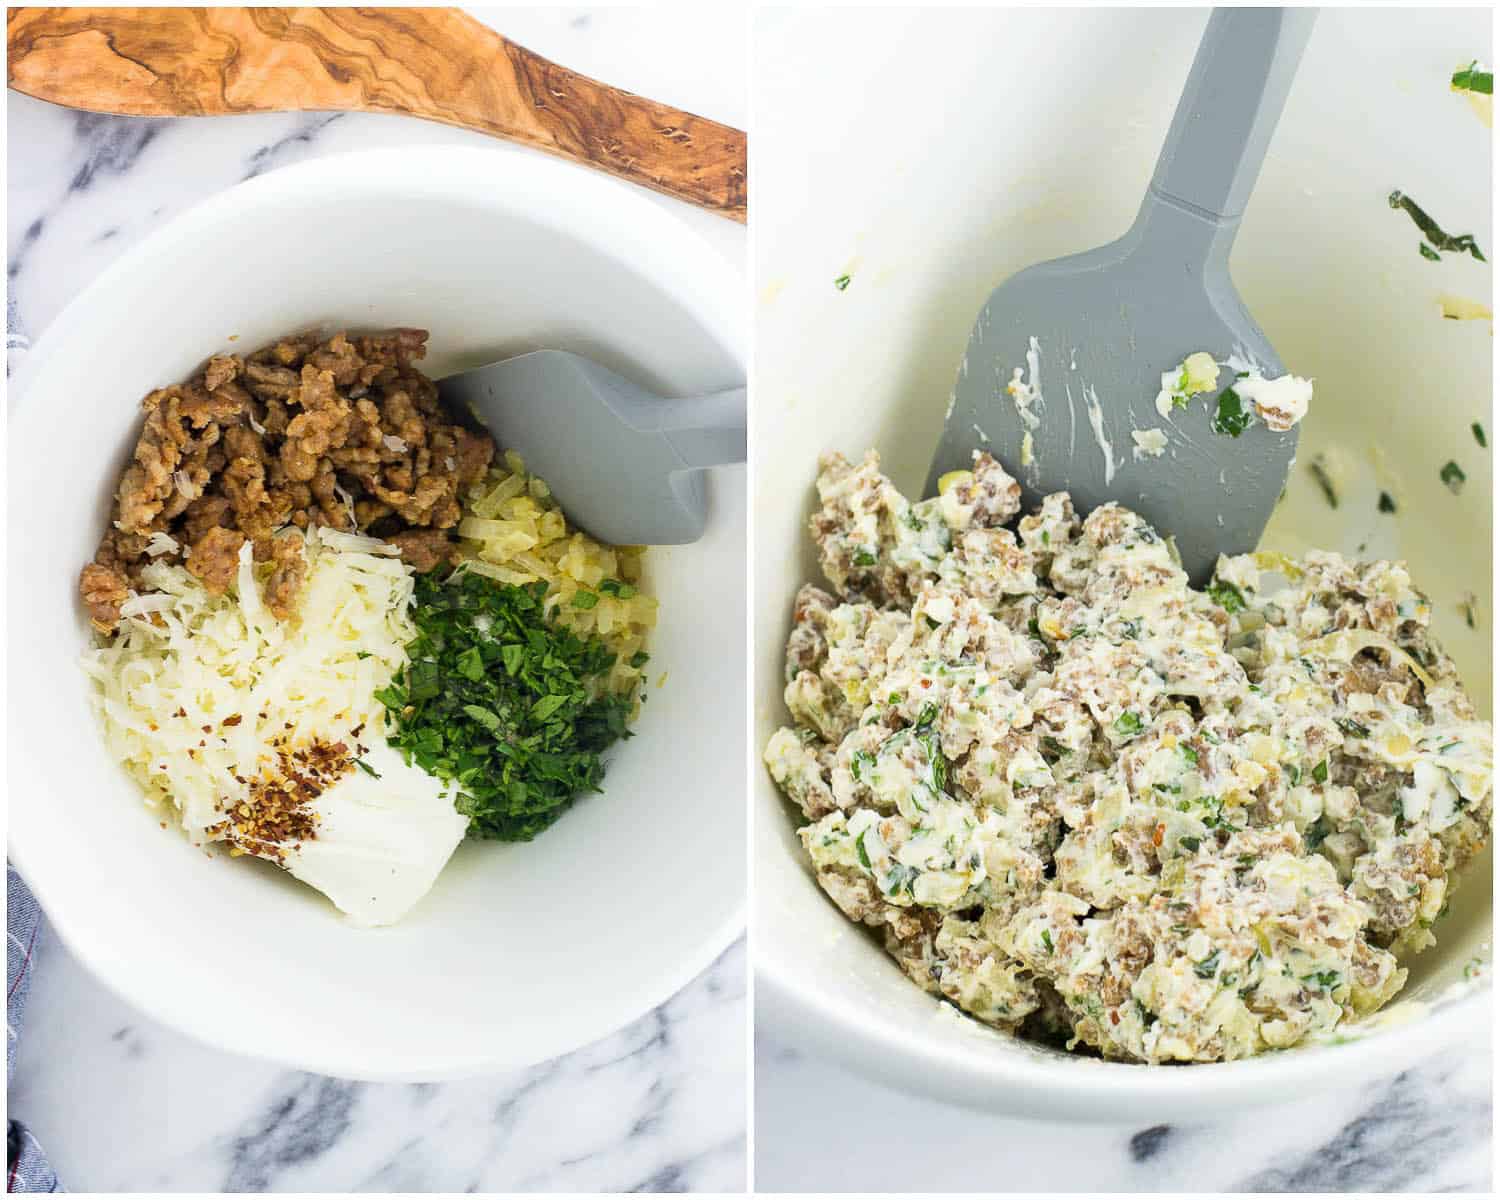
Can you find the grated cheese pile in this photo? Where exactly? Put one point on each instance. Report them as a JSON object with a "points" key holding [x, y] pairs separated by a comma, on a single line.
{"points": [[213, 659], [513, 531]]}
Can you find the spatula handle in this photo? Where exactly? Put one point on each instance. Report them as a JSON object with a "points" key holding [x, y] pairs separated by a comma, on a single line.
{"points": [[1229, 108], [708, 431]]}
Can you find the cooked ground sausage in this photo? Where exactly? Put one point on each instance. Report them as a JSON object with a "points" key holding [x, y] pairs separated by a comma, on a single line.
{"points": [[345, 433]]}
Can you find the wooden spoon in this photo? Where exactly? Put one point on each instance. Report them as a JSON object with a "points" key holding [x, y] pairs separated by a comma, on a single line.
{"points": [[434, 63]]}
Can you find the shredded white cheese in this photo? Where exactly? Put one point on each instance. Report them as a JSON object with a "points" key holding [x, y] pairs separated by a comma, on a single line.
{"points": [[180, 649]]}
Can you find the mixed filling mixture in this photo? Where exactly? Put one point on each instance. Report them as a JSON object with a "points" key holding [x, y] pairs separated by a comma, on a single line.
{"points": [[1090, 805], [332, 631]]}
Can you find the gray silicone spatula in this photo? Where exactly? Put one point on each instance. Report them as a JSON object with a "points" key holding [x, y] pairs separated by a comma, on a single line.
{"points": [[625, 464], [1093, 333]]}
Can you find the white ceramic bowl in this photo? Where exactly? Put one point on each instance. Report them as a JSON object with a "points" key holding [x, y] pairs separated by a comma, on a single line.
{"points": [[521, 952], [1035, 135]]}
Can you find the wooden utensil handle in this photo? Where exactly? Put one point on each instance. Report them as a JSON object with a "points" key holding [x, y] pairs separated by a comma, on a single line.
{"points": [[435, 63]]}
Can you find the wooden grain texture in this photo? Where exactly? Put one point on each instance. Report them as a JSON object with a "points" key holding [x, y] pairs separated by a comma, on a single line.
{"points": [[434, 63]]}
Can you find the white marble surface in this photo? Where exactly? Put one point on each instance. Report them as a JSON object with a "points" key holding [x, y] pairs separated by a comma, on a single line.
{"points": [[819, 1128], [123, 1104]]}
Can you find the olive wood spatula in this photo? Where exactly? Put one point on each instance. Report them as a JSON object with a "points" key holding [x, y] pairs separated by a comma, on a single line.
{"points": [[1093, 334], [435, 63]]}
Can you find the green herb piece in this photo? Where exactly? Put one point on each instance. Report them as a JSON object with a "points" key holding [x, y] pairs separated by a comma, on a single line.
{"points": [[1129, 723], [842, 282], [1047, 940], [503, 704], [1207, 968], [1189, 843], [1230, 417], [1472, 79], [367, 768], [1462, 243], [858, 761], [639, 659], [1386, 503], [615, 587], [1188, 753], [1320, 772], [471, 664], [1466, 606], [1326, 980], [1050, 745], [1453, 476], [1294, 773], [583, 599], [1428, 252], [1351, 727], [1319, 468], [1226, 596], [927, 716], [864, 558], [1478, 431], [859, 849]]}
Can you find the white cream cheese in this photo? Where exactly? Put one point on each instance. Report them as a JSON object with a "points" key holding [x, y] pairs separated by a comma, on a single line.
{"points": [[1279, 402], [381, 841]]}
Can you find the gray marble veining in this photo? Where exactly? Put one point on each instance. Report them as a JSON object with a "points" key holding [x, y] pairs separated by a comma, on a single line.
{"points": [[1426, 1130]]}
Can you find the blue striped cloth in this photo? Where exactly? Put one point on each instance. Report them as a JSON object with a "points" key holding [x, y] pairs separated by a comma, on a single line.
{"points": [[29, 1170]]}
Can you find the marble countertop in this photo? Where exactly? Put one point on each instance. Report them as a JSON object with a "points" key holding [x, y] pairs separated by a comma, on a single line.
{"points": [[1425, 1130], [124, 1104]]}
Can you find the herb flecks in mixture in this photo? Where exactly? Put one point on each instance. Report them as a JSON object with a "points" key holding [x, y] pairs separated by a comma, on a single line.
{"points": [[507, 706], [1082, 801], [1462, 243], [1453, 477]]}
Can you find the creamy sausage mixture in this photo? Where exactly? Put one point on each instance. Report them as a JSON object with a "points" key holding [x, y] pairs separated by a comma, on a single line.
{"points": [[1088, 804]]}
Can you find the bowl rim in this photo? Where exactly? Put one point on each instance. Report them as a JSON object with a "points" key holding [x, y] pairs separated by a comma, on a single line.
{"points": [[601, 211], [1101, 1091]]}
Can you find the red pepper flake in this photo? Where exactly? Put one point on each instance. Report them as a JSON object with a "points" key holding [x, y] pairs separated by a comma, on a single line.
{"points": [[1156, 837]]}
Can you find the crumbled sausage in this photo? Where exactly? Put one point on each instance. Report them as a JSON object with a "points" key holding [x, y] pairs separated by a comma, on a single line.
{"points": [[345, 433], [216, 557]]}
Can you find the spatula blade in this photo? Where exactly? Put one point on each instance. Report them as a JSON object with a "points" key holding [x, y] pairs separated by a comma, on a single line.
{"points": [[1091, 336]]}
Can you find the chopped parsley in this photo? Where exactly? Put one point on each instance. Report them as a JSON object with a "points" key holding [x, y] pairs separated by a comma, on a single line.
{"points": [[367, 768], [1386, 503], [1472, 79], [842, 283], [583, 599], [500, 702], [1326, 980], [1129, 723], [1478, 431], [614, 587], [1189, 843], [1230, 416], [1466, 606], [1352, 727], [1226, 596], [1462, 243], [1188, 753], [1320, 772], [1453, 477], [1208, 967], [859, 849], [864, 557], [1319, 468], [1047, 940]]}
